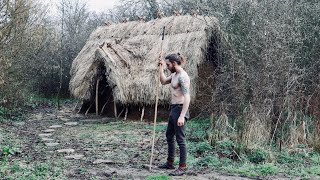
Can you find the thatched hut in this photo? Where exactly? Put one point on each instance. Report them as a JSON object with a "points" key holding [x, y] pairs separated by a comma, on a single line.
{"points": [[117, 66]]}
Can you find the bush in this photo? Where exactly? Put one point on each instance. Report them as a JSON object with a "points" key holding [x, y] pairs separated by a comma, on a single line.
{"points": [[257, 156], [228, 149], [202, 148]]}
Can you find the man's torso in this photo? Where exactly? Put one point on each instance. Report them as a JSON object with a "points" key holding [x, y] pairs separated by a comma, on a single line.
{"points": [[177, 96]]}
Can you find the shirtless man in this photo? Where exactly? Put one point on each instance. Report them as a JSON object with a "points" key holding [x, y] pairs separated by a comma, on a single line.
{"points": [[180, 99]]}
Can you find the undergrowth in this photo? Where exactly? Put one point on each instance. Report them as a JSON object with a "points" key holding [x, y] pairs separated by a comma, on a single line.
{"points": [[234, 158]]}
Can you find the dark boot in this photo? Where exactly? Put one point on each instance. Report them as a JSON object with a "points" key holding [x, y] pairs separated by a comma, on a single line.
{"points": [[167, 165], [180, 171]]}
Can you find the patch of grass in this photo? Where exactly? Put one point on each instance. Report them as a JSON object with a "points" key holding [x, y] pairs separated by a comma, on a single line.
{"points": [[267, 169], [245, 169], [159, 128], [12, 114], [9, 144], [209, 161], [41, 170], [252, 170], [315, 158], [31, 170], [7, 151], [314, 170], [35, 101], [86, 136], [13, 165], [82, 171], [159, 177]]}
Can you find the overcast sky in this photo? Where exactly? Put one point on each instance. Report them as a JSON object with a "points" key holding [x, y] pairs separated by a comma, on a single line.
{"points": [[93, 5], [100, 5]]}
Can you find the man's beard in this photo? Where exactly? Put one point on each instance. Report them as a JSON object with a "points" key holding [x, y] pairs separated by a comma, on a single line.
{"points": [[172, 70]]}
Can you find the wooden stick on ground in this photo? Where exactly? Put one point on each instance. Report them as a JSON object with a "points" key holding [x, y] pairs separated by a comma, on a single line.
{"points": [[156, 105]]}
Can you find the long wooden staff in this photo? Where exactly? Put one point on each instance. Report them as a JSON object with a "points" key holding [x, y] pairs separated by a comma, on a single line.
{"points": [[156, 106]]}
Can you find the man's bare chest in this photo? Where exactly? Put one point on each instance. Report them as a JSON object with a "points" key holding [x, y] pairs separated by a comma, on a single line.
{"points": [[175, 82]]}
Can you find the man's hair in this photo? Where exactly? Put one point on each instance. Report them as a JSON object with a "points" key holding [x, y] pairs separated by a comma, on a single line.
{"points": [[178, 58]]}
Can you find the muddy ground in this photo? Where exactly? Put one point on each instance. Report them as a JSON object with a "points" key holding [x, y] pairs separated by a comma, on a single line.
{"points": [[99, 148]]}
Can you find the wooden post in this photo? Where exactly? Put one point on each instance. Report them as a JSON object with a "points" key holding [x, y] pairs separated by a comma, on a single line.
{"points": [[126, 114], [97, 97], [142, 114], [115, 109]]}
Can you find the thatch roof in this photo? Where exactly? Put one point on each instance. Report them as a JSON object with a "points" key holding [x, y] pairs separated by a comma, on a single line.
{"points": [[131, 60]]}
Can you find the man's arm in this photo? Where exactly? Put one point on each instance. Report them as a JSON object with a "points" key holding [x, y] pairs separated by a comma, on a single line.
{"points": [[184, 82], [163, 79]]}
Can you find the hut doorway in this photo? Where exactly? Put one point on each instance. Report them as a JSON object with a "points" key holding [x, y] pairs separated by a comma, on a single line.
{"points": [[102, 101]]}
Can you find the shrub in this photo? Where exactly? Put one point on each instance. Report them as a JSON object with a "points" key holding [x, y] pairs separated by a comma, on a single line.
{"points": [[257, 156]]}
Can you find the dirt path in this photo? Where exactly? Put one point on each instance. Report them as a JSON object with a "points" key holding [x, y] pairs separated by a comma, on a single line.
{"points": [[99, 148]]}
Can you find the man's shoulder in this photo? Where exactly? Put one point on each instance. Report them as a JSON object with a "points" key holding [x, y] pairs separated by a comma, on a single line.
{"points": [[184, 77], [184, 74]]}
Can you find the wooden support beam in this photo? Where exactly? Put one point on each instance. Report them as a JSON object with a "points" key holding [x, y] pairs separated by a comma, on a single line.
{"points": [[105, 103], [88, 109], [126, 114], [80, 109], [142, 114], [115, 109], [103, 107], [117, 53], [97, 97], [120, 113], [75, 107]]}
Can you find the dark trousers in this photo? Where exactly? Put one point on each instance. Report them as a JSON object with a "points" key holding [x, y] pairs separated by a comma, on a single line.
{"points": [[178, 132]]}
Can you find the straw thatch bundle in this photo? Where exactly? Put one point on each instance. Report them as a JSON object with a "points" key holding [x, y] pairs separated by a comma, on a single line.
{"points": [[130, 51]]}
